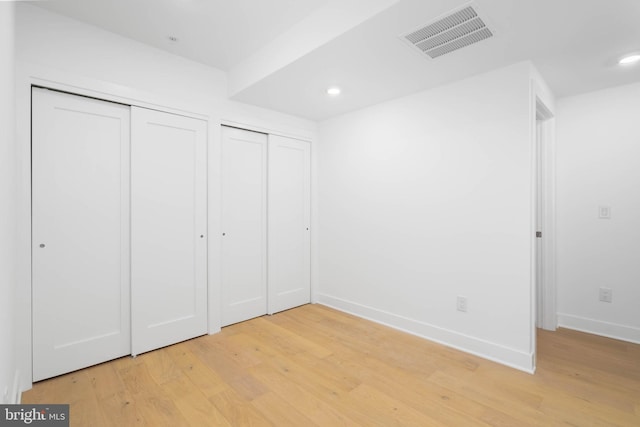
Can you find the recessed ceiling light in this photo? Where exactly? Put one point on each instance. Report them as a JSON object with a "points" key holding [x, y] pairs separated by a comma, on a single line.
{"points": [[334, 91], [629, 59]]}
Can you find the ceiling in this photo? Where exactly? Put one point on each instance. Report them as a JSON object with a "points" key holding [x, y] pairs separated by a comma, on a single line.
{"points": [[283, 54], [219, 33]]}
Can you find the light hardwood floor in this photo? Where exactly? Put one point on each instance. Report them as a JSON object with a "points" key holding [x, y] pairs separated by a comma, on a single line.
{"points": [[314, 366]]}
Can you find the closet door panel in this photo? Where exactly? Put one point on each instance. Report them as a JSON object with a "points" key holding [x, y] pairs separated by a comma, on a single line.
{"points": [[244, 213], [289, 192], [80, 223], [168, 229]]}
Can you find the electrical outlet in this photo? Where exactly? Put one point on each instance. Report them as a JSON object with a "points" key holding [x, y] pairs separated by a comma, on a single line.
{"points": [[462, 304], [604, 212], [606, 294]]}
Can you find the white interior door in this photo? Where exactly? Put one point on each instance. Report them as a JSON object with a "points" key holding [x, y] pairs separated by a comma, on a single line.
{"points": [[244, 225], [168, 229], [289, 192], [80, 220]]}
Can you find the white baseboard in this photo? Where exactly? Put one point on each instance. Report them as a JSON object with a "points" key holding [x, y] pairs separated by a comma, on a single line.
{"points": [[495, 352], [598, 327]]}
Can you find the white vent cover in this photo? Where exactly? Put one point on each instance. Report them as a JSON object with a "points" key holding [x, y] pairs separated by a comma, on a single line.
{"points": [[454, 31]]}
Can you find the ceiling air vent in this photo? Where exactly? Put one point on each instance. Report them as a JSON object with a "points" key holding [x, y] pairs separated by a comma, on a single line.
{"points": [[454, 31]]}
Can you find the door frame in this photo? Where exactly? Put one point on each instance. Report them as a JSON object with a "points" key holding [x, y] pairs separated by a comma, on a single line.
{"points": [[29, 75], [542, 106], [546, 312]]}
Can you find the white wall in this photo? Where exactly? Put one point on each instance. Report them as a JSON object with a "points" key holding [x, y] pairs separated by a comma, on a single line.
{"points": [[598, 164], [59, 52], [428, 197], [7, 203]]}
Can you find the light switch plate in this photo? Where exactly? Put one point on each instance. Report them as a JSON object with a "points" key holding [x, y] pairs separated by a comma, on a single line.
{"points": [[604, 212]]}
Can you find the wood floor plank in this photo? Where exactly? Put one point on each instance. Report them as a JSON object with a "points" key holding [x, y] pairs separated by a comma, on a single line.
{"points": [[213, 354], [288, 341], [155, 409], [280, 412], [152, 404], [440, 404], [104, 380], [119, 409], [388, 410], [403, 350], [137, 380], [316, 409], [204, 379], [238, 411], [489, 396], [248, 387], [198, 411], [315, 366], [161, 366], [87, 412]]}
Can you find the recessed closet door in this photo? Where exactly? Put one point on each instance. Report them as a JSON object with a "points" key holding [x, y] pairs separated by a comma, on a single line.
{"points": [[168, 229], [289, 192], [80, 220], [244, 225]]}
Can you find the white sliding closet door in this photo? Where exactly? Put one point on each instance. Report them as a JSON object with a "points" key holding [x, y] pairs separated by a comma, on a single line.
{"points": [[244, 225], [289, 190], [168, 229], [80, 223]]}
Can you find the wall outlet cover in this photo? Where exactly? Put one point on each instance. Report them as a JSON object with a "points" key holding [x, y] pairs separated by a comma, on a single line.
{"points": [[461, 304], [606, 294], [604, 212]]}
